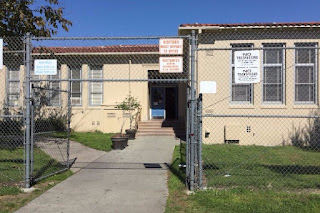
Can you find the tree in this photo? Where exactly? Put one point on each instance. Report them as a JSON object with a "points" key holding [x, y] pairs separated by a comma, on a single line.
{"points": [[21, 16]]}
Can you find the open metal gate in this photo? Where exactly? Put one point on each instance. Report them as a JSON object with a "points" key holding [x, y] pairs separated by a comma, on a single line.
{"points": [[92, 72]]}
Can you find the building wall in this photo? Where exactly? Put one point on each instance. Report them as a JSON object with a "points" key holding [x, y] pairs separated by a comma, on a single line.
{"points": [[215, 65], [107, 118], [4, 88]]}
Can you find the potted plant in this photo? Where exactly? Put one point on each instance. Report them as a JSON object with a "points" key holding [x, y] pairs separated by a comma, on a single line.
{"points": [[119, 141], [131, 105]]}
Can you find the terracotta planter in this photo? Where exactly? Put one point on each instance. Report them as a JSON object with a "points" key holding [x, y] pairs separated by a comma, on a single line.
{"points": [[119, 141], [131, 133]]}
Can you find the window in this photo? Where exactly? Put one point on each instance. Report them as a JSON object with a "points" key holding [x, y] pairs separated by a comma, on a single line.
{"points": [[273, 73], [76, 86], [95, 87], [240, 93], [54, 92], [14, 86], [305, 73]]}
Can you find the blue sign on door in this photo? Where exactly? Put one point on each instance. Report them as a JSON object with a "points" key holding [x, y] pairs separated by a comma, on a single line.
{"points": [[157, 102]]}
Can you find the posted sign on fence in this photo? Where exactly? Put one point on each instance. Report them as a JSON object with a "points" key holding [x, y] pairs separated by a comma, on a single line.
{"points": [[172, 46], [171, 64], [45, 67], [247, 67]]}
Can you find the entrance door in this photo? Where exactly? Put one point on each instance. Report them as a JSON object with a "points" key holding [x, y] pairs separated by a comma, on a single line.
{"points": [[157, 102], [171, 103]]}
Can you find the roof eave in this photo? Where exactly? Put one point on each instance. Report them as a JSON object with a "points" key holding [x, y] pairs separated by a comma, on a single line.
{"points": [[200, 28], [97, 53]]}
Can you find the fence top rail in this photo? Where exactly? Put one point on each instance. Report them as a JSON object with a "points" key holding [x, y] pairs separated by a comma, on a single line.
{"points": [[255, 48], [115, 79], [258, 116], [108, 38]]}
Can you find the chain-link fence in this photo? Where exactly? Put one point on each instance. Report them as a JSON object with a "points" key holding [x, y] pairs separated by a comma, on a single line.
{"points": [[12, 125], [100, 72], [50, 132], [260, 129], [94, 75]]}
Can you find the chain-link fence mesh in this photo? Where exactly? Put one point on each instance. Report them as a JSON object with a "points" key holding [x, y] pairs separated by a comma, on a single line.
{"points": [[103, 71], [266, 134], [93, 76], [50, 113], [120, 59], [99, 73], [12, 125]]}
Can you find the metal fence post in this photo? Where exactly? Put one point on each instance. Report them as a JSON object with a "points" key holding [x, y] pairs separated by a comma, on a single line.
{"points": [[27, 101], [187, 149], [69, 120], [192, 109], [199, 115], [32, 129]]}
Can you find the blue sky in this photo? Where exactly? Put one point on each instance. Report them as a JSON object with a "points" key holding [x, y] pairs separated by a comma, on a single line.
{"points": [[163, 17]]}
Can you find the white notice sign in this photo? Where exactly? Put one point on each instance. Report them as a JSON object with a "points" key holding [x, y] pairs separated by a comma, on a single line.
{"points": [[171, 64], [172, 46], [45, 67], [1, 53], [247, 67], [208, 87]]}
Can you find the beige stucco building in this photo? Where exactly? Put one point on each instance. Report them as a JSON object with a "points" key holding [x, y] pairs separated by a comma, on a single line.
{"points": [[273, 111], [103, 76], [267, 112]]}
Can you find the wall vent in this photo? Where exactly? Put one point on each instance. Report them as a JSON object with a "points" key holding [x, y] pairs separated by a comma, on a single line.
{"points": [[111, 115], [232, 133]]}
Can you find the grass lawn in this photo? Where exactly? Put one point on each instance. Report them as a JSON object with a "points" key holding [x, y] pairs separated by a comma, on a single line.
{"points": [[11, 198], [282, 167], [12, 174], [12, 166], [263, 179], [12, 169], [95, 140]]}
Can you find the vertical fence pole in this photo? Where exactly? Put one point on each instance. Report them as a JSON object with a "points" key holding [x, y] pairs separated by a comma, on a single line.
{"points": [[187, 150], [196, 133], [28, 103], [32, 129], [69, 120], [192, 109], [199, 115]]}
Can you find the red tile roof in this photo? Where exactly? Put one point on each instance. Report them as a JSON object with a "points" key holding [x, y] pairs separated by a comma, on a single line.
{"points": [[100, 49], [240, 25]]}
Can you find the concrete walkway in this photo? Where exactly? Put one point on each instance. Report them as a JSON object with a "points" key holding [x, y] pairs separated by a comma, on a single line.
{"points": [[83, 155], [118, 181]]}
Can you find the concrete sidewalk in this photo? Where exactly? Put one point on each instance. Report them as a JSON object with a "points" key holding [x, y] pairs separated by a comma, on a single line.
{"points": [[118, 181], [83, 155]]}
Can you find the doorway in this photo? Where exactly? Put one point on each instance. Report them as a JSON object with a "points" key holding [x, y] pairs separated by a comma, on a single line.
{"points": [[171, 103], [164, 103]]}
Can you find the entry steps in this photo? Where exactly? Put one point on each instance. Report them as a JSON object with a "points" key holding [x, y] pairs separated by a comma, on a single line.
{"points": [[160, 127]]}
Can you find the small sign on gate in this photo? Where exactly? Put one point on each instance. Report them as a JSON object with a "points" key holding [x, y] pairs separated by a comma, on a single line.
{"points": [[171, 64], [45, 67], [173, 46]]}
